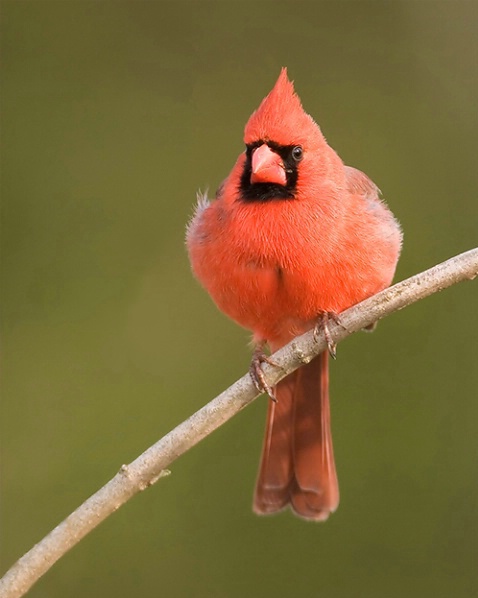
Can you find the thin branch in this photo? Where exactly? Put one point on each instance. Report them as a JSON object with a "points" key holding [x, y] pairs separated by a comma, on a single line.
{"points": [[152, 464]]}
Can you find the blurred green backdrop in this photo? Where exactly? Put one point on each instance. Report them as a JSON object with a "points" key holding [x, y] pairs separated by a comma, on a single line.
{"points": [[114, 114]]}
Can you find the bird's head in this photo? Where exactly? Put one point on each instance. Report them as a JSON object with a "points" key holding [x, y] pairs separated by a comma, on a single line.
{"points": [[285, 149]]}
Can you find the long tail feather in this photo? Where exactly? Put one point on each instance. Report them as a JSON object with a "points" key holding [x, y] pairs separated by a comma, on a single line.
{"points": [[297, 465], [276, 472]]}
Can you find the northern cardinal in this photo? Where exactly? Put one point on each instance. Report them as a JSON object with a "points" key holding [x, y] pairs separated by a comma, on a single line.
{"points": [[293, 234]]}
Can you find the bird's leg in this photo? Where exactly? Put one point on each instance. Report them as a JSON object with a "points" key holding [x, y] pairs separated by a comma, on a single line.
{"points": [[256, 373], [323, 324]]}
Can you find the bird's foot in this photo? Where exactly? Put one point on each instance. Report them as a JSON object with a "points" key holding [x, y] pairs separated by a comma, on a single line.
{"points": [[257, 374], [323, 324]]}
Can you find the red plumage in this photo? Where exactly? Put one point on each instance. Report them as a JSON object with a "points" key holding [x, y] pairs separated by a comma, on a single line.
{"points": [[293, 234]]}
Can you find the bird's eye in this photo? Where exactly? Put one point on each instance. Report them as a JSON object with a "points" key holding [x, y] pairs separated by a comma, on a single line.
{"points": [[297, 153]]}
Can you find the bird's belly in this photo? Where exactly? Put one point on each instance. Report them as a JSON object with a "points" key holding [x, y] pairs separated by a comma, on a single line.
{"points": [[277, 285], [254, 296], [271, 300], [279, 302]]}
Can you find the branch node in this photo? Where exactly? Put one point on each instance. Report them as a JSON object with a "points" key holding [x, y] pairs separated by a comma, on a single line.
{"points": [[125, 471], [144, 484], [300, 355]]}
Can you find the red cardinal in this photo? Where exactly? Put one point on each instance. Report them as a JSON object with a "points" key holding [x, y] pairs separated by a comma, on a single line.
{"points": [[293, 235]]}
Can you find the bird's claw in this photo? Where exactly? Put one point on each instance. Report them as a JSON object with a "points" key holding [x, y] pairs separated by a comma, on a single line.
{"points": [[322, 324], [257, 374]]}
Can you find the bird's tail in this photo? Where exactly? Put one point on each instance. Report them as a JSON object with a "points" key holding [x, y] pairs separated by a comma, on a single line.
{"points": [[297, 465]]}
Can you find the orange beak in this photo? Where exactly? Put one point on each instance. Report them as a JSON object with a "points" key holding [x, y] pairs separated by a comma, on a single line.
{"points": [[267, 167]]}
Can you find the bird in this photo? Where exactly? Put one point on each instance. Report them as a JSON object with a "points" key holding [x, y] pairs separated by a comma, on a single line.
{"points": [[292, 238]]}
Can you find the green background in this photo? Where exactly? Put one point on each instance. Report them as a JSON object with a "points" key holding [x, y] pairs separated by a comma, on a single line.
{"points": [[114, 114]]}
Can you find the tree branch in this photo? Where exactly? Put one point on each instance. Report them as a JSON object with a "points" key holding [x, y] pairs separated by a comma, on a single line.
{"points": [[152, 464]]}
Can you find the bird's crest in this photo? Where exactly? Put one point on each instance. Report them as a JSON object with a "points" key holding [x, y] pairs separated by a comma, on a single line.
{"points": [[281, 118]]}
